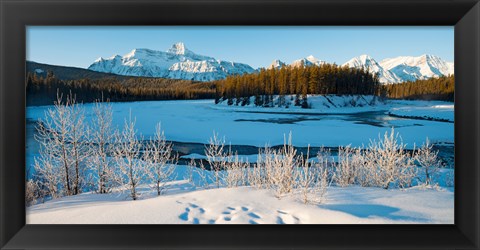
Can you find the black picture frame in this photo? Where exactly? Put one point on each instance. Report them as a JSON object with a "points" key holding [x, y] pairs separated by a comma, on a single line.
{"points": [[17, 14]]}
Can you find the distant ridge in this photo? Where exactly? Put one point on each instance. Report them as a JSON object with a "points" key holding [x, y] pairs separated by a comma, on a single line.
{"points": [[66, 72], [404, 68], [178, 62]]}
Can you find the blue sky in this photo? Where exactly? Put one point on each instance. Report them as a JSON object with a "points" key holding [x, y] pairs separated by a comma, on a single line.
{"points": [[256, 46]]}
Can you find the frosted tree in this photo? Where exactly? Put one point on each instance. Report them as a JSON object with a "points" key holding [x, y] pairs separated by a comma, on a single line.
{"points": [[160, 160], [53, 133], [76, 138], [48, 175], [102, 140], [127, 153], [216, 156], [427, 158]]}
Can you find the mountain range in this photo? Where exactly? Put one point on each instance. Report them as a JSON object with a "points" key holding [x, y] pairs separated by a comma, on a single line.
{"points": [[178, 62], [390, 70], [404, 68]]}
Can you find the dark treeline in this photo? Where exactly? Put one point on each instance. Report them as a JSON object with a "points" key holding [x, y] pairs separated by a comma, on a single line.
{"points": [[43, 90], [441, 88], [298, 81]]}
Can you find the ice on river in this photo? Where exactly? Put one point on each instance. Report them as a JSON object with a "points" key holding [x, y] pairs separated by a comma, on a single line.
{"points": [[195, 121]]}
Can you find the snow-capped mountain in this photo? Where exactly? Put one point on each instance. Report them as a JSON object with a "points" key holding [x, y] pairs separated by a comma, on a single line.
{"points": [[307, 61], [176, 63], [404, 68], [368, 63], [410, 68], [276, 64]]}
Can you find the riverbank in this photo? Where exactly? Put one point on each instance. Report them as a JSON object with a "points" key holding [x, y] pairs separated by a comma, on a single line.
{"points": [[182, 204]]}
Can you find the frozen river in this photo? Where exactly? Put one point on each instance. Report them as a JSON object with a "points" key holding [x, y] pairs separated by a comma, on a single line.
{"points": [[190, 124]]}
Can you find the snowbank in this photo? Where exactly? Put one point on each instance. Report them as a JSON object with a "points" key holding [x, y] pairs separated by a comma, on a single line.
{"points": [[245, 205], [323, 104], [431, 111]]}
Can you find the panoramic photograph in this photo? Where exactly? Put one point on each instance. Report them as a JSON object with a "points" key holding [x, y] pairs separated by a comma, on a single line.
{"points": [[239, 125]]}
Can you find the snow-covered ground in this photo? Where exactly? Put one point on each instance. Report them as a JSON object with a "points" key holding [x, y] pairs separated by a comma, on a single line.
{"points": [[426, 110], [319, 104], [246, 205]]}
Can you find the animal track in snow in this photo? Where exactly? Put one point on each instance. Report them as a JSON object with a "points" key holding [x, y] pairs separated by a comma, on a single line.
{"points": [[196, 214], [192, 213], [284, 217], [236, 213]]}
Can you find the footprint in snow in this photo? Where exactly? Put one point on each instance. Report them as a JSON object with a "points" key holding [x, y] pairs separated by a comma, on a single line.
{"points": [[193, 205], [254, 215], [280, 220], [286, 218], [252, 222], [239, 212], [192, 213], [184, 216], [211, 221]]}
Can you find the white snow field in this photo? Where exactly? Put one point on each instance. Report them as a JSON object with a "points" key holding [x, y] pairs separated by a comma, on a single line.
{"points": [[246, 205], [432, 110]]}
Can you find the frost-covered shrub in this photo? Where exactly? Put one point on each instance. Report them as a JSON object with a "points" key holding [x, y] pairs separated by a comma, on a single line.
{"points": [[428, 160], [305, 177], [312, 178], [236, 172], [279, 168], [198, 175], [32, 192], [345, 169], [256, 175], [284, 172], [365, 172], [217, 157], [389, 163]]}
